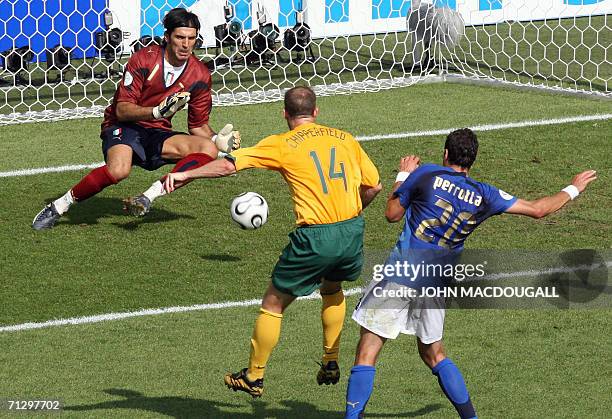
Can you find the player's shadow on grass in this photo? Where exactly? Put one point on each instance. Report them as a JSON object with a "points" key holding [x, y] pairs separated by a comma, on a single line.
{"points": [[298, 409], [91, 211], [177, 407], [154, 217], [185, 407], [220, 258]]}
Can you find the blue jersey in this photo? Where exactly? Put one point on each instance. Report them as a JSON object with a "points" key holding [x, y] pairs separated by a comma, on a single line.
{"points": [[443, 207]]}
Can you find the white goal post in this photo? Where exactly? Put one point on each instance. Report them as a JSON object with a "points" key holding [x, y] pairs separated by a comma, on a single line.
{"points": [[63, 59]]}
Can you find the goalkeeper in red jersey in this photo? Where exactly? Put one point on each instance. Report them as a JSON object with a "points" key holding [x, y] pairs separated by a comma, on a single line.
{"points": [[137, 129]]}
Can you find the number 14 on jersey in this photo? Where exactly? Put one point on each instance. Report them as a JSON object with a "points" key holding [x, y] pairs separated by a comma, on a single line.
{"points": [[333, 175]]}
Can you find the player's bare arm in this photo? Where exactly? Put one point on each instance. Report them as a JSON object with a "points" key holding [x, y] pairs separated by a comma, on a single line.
{"points": [[368, 193], [395, 211], [544, 206], [217, 168], [203, 131], [227, 140], [131, 112]]}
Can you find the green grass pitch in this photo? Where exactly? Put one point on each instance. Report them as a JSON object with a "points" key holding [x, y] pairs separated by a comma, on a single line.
{"points": [[517, 363]]}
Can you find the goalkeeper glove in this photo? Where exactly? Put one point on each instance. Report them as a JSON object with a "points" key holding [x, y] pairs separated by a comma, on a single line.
{"points": [[227, 140], [171, 105]]}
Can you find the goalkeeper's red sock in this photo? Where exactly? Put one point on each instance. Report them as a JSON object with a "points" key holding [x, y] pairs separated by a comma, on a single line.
{"points": [[93, 183], [189, 162]]}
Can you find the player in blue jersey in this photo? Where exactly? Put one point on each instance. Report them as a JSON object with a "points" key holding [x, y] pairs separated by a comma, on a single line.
{"points": [[442, 206]]}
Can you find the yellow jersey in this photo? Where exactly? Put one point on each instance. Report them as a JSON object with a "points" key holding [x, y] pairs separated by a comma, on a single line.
{"points": [[323, 166]]}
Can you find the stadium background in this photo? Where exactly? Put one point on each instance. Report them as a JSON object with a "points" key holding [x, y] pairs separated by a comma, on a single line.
{"points": [[43, 24]]}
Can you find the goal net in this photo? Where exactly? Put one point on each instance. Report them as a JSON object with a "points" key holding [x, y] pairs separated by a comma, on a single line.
{"points": [[63, 59]]}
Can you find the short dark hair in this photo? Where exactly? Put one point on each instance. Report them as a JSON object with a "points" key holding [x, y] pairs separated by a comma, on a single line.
{"points": [[180, 18], [462, 147], [300, 101]]}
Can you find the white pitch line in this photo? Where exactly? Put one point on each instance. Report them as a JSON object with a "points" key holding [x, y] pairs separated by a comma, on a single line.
{"points": [[549, 271], [399, 135], [254, 302], [56, 169], [491, 127], [150, 312]]}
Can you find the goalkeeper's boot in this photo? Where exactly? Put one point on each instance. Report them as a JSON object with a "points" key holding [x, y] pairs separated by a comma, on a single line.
{"points": [[329, 373], [137, 206], [46, 218], [239, 381]]}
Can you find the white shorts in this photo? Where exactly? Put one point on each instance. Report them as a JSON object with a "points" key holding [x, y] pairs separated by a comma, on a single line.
{"points": [[388, 316]]}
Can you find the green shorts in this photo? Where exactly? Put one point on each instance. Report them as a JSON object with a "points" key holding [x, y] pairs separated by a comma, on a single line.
{"points": [[328, 251]]}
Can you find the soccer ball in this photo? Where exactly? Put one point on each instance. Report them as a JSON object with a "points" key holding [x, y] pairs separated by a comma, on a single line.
{"points": [[249, 210]]}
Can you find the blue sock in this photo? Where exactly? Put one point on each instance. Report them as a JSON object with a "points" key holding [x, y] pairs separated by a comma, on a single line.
{"points": [[360, 385], [453, 386]]}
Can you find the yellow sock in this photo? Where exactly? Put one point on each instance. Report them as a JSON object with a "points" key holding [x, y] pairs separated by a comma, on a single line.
{"points": [[265, 337], [332, 318]]}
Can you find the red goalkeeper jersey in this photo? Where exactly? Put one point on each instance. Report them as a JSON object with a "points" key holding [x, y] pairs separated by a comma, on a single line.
{"points": [[143, 84]]}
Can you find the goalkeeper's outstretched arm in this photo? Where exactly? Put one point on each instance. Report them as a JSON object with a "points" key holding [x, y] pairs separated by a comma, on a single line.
{"points": [[203, 131], [227, 140], [544, 206]]}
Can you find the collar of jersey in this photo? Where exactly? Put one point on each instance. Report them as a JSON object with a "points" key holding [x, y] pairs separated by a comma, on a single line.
{"points": [[163, 57], [307, 124], [453, 171]]}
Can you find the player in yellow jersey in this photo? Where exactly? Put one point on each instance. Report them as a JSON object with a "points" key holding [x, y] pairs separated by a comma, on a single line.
{"points": [[331, 180]]}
